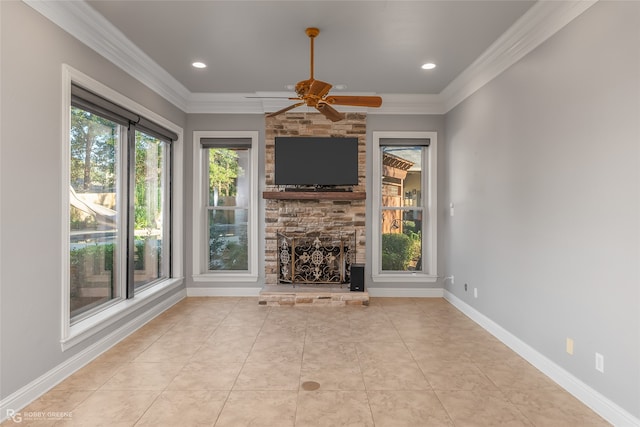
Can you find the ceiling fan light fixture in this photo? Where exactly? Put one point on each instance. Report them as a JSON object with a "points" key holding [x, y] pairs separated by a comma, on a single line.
{"points": [[199, 64], [428, 66]]}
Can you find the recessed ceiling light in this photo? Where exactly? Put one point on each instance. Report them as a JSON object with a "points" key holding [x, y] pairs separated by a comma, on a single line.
{"points": [[290, 87], [428, 66], [340, 87], [199, 65]]}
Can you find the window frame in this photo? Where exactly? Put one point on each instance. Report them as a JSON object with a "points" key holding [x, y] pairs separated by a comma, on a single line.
{"points": [[132, 287], [101, 317], [201, 273], [429, 209], [121, 160]]}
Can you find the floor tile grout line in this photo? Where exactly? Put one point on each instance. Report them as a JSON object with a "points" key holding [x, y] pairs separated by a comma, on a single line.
{"points": [[200, 347], [392, 312], [364, 382], [412, 356], [424, 375], [231, 389], [148, 408], [226, 399], [516, 407], [92, 392], [304, 345], [435, 393]]}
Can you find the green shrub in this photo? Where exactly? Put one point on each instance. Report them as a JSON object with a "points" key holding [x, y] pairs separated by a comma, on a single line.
{"points": [[396, 251], [409, 227], [225, 253], [101, 256], [96, 253], [416, 244]]}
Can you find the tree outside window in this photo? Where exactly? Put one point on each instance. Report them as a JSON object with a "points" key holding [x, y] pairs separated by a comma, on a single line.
{"points": [[228, 209]]}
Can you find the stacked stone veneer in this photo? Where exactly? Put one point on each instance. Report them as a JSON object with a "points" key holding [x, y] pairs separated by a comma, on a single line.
{"points": [[299, 217]]}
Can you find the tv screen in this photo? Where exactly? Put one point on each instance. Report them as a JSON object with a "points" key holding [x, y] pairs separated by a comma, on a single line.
{"points": [[316, 161]]}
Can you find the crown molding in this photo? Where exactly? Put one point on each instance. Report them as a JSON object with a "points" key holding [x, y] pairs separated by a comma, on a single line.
{"points": [[409, 104], [91, 28], [540, 22], [80, 20], [267, 102], [224, 103]]}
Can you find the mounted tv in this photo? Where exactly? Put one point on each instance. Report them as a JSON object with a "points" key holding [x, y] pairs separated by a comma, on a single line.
{"points": [[316, 161]]}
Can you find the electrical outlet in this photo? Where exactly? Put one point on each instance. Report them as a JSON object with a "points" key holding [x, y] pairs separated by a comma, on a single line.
{"points": [[599, 362], [475, 292], [570, 346], [465, 287]]}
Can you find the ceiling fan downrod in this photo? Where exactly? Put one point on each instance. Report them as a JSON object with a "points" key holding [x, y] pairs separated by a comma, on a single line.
{"points": [[312, 33]]}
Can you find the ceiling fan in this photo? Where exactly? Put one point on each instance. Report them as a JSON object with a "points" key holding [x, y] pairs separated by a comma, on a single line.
{"points": [[315, 93]]}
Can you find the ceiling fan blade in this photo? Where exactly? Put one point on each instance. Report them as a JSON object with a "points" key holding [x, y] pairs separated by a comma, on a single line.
{"points": [[329, 112], [318, 88], [270, 97], [356, 101], [284, 110]]}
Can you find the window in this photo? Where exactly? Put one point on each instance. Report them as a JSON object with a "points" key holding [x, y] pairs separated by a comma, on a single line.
{"points": [[151, 210], [118, 226], [228, 209], [95, 222], [404, 241], [225, 226]]}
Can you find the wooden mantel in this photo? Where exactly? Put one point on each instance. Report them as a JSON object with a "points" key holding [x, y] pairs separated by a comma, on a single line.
{"points": [[315, 195]]}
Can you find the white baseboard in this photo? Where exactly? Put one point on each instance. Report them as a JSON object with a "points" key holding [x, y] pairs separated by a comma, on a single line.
{"points": [[223, 292], [597, 402], [374, 292], [406, 292], [36, 388]]}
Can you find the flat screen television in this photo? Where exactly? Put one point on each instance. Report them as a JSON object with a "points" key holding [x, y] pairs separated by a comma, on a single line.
{"points": [[316, 161]]}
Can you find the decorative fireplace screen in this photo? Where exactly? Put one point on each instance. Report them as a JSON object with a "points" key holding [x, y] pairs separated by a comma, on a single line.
{"points": [[315, 259]]}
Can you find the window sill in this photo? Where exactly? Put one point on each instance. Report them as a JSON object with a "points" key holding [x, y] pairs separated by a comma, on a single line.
{"points": [[225, 277], [404, 278], [88, 327]]}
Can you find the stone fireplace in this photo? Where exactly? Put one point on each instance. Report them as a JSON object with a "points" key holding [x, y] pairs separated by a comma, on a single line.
{"points": [[334, 217]]}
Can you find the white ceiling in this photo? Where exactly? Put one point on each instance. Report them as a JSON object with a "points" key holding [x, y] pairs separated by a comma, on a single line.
{"points": [[260, 47], [370, 46]]}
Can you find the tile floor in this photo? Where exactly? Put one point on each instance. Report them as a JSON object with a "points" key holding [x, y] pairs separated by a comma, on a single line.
{"points": [[231, 362]]}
